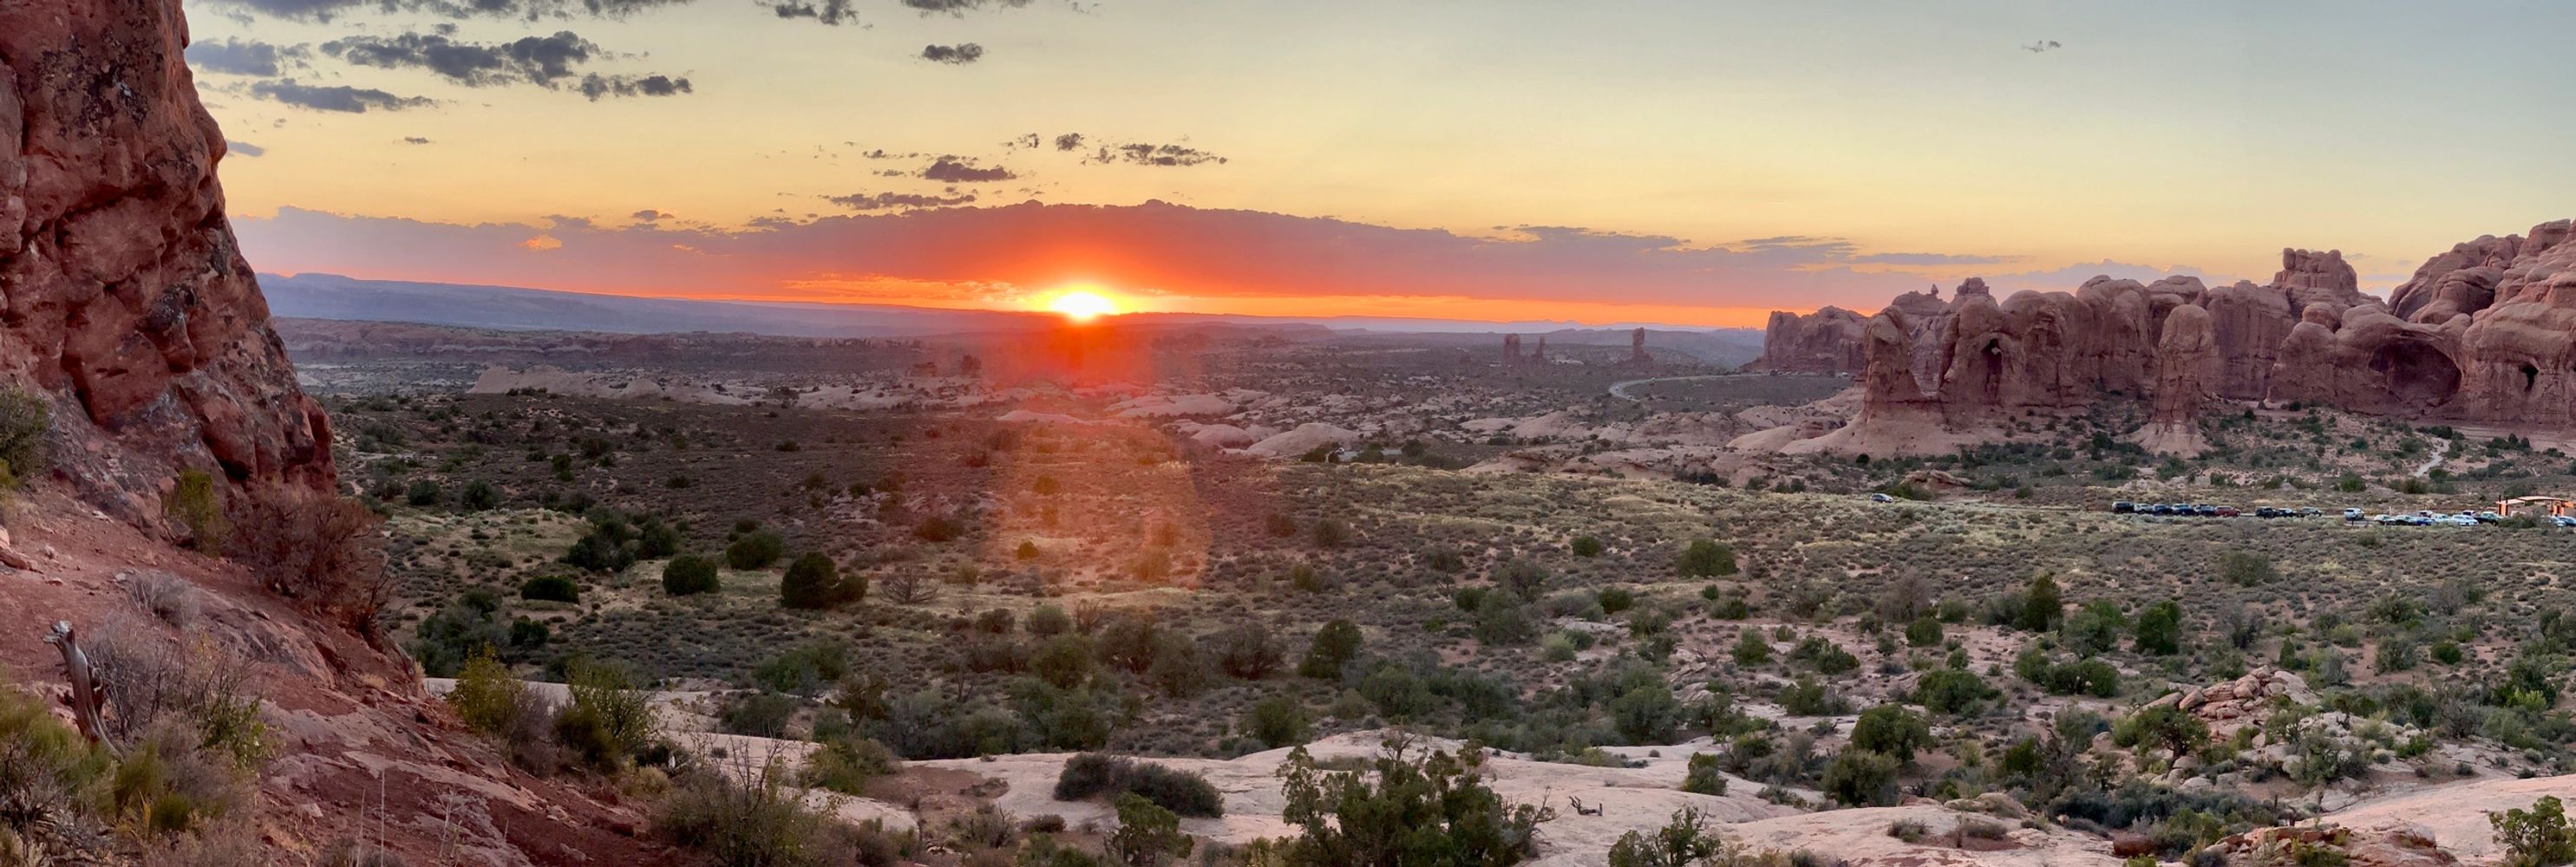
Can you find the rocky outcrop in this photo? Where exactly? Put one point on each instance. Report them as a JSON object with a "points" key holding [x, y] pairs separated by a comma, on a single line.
{"points": [[2485, 333], [1824, 342], [127, 301], [2187, 365]]}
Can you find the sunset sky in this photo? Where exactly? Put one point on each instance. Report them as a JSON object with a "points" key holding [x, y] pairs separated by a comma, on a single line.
{"points": [[1694, 163]]}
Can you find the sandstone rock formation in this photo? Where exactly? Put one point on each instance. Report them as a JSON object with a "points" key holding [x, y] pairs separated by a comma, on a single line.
{"points": [[2485, 333], [127, 301]]}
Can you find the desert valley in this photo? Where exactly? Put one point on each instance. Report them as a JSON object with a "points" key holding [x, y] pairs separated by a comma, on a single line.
{"points": [[323, 570]]}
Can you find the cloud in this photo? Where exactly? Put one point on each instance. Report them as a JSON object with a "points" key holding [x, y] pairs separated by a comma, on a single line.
{"points": [[649, 215], [1930, 259], [525, 10], [963, 170], [961, 7], [596, 86], [541, 60], [415, 139], [341, 98], [1071, 141], [832, 12], [959, 54], [1150, 248], [1152, 155], [2042, 45], [893, 201], [243, 148], [542, 243], [245, 57]]}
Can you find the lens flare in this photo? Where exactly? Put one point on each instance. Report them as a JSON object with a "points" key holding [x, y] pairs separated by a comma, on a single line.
{"points": [[1082, 305]]}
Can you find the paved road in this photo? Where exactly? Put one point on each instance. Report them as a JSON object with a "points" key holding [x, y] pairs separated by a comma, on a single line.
{"points": [[1620, 389]]}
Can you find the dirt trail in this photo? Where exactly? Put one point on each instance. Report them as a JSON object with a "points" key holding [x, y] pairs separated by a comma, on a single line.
{"points": [[2441, 450]]}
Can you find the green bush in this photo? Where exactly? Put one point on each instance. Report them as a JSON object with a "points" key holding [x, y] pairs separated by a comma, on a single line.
{"points": [[1953, 691], [196, 505], [1861, 778], [689, 575], [755, 550], [1587, 546], [1335, 645], [1891, 730], [759, 714], [1277, 721], [25, 420], [2536, 837], [1704, 777], [422, 493], [1685, 841], [550, 588], [846, 764], [813, 582], [762, 821], [1406, 808], [1706, 558], [479, 495], [609, 719], [1090, 775]]}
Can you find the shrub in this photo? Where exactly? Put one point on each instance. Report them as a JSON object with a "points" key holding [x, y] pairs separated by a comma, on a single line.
{"points": [[690, 575], [196, 505], [2535, 837], [1587, 546], [1706, 558], [479, 495], [760, 821], [1047, 619], [1334, 646], [169, 597], [423, 493], [813, 582], [2246, 568], [319, 549], [846, 764], [1891, 730], [755, 550], [1147, 834], [1276, 721], [2160, 629], [2041, 605], [1704, 777], [1090, 775], [936, 529], [1247, 652], [805, 670], [1861, 778], [1406, 808], [25, 419], [1952, 691], [1332, 533], [550, 588], [609, 719], [486, 697], [759, 713], [1685, 841]]}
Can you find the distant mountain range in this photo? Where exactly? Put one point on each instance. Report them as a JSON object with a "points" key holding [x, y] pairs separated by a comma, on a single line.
{"points": [[332, 296]]}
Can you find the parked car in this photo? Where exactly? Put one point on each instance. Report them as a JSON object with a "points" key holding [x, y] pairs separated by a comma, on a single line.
{"points": [[2310, 511], [2352, 514], [2123, 507], [1881, 498], [2563, 520], [2160, 509], [2205, 510], [2227, 512], [2488, 518]]}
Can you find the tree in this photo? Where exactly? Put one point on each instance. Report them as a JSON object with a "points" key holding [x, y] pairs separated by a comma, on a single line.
{"points": [[1402, 810], [196, 505], [1333, 646], [1276, 721], [479, 496], [1925, 631], [689, 575], [1248, 652], [1646, 713], [1891, 730], [1861, 778], [1147, 835], [755, 550], [2160, 629], [812, 582], [1706, 558], [2041, 606], [2095, 628], [1523, 578], [2168, 726], [2537, 837], [1952, 691], [1683, 842], [1064, 661]]}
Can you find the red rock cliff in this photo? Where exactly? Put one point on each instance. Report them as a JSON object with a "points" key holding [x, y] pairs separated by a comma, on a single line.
{"points": [[126, 298]]}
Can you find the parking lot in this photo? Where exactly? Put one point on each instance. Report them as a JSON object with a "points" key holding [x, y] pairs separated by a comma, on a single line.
{"points": [[2423, 518]]}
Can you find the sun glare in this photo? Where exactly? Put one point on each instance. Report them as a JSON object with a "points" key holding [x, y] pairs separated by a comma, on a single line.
{"points": [[1082, 305]]}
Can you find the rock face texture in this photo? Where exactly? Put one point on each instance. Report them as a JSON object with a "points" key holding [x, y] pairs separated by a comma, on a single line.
{"points": [[1826, 341], [2485, 333], [126, 299]]}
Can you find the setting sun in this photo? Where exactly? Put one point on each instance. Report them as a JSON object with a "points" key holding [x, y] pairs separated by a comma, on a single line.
{"points": [[1082, 306]]}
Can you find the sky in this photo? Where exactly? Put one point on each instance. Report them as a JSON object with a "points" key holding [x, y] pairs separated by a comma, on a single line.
{"points": [[1688, 162]]}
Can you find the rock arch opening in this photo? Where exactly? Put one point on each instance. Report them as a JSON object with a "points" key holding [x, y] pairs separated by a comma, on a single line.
{"points": [[2417, 374]]}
